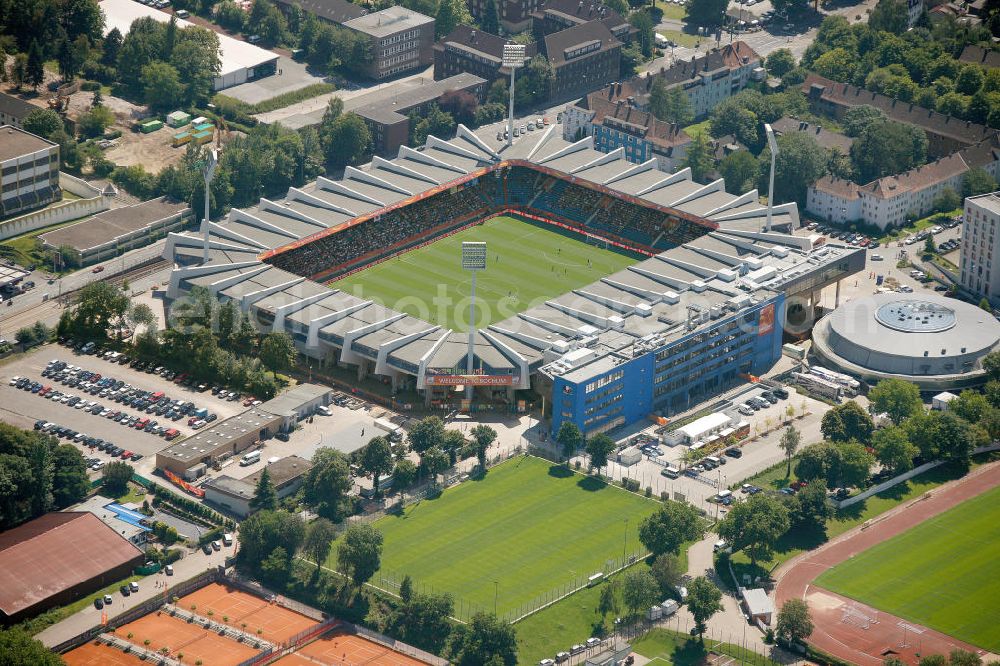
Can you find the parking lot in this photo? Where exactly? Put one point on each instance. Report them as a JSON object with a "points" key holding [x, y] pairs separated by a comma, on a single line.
{"points": [[24, 407]]}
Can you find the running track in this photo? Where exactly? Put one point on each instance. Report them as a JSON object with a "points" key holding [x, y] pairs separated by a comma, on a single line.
{"points": [[887, 637]]}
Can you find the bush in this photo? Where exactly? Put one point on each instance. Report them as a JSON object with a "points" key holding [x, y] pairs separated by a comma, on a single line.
{"points": [[212, 535], [649, 491], [90, 86], [630, 484], [664, 496]]}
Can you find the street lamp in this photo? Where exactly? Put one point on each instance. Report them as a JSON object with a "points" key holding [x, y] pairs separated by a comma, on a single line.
{"points": [[473, 259], [513, 57], [773, 145]]}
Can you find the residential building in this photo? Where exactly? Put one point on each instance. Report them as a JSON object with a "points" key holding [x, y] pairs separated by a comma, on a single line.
{"points": [[13, 110], [58, 558], [401, 40], [977, 55], [620, 125], [945, 134], [515, 15], [980, 241], [386, 112], [824, 137], [114, 231], [555, 15], [29, 169], [472, 51], [890, 201], [584, 57]]}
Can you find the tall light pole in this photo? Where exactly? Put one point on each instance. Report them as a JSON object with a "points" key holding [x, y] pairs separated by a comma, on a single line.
{"points": [[473, 260], [773, 144], [208, 167], [513, 57]]}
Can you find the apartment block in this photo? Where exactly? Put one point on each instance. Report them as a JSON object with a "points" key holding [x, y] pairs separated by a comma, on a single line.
{"points": [[29, 171], [980, 242]]}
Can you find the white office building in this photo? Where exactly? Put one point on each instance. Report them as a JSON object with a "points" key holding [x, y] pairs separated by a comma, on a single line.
{"points": [[980, 242]]}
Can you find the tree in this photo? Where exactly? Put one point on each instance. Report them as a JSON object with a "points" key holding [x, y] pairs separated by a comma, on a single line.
{"points": [[706, 12], [893, 449], [434, 461], [161, 85], [704, 600], [964, 658], [739, 170], [794, 624], [484, 437], [347, 140], [754, 526], [43, 122], [428, 433], [93, 123], [69, 476], [264, 496], [570, 439], [406, 589], [424, 621], [20, 649], [404, 474], [673, 524], [780, 62], [855, 464], [977, 181], [319, 539], [808, 508], [897, 398], [277, 351], [668, 572], [275, 568], [534, 84], [116, 476], [35, 66], [954, 437], [433, 121], [82, 18], [790, 440], [800, 163], [887, 147], [327, 483], [947, 201], [599, 447], [360, 553], [933, 660], [196, 58], [699, 157], [19, 70], [486, 640], [846, 422], [461, 105], [889, 16], [639, 590], [643, 23], [490, 19], [376, 459], [68, 59], [669, 104], [450, 14], [266, 530]]}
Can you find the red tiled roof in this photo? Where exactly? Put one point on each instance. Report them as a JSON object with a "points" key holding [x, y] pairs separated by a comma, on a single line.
{"points": [[657, 132]]}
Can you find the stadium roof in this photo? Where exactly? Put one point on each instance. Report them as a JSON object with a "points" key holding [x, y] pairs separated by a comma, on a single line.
{"points": [[234, 54], [735, 266], [53, 553], [115, 223]]}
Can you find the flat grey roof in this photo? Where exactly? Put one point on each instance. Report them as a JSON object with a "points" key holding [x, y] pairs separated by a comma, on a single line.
{"points": [[294, 398], [105, 227], [389, 21], [389, 106], [15, 143]]}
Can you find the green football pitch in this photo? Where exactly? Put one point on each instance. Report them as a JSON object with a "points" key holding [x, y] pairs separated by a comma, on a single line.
{"points": [[528, 263], [528, 525], [941, 573]]}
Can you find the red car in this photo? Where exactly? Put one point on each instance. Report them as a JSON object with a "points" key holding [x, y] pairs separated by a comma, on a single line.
{"points": [[126, 455], [97, 269]]}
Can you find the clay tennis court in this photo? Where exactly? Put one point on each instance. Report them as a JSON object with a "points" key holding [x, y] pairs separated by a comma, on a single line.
{"points": [[351, 650], [99, 654], [193, 640], [860, 634], [278, 623]]}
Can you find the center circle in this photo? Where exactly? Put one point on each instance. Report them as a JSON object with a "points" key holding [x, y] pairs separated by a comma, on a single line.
{"points": [[915, 316]]}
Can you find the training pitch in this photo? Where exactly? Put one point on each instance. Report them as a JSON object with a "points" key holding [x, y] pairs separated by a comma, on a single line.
{"points": [[940, 573], [528, 263], [531, 526]]}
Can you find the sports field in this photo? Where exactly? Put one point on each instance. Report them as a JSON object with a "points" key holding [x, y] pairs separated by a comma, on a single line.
{"points": [[530, 526], [527, 264], [940, 573]]}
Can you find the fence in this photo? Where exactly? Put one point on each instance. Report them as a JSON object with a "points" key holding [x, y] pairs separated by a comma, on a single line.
{"points": [[392, 644], [90, 203]]}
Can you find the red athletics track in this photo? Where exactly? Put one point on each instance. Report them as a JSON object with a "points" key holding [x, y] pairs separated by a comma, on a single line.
{"points": [[890, 635]]}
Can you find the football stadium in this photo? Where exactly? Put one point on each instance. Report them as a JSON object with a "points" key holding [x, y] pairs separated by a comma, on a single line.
{"points": [[613, 290]]}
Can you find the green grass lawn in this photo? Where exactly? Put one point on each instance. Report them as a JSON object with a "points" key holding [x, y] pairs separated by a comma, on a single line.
{"points": [[531, 526], [918, 225], [672, 11], [26, 249], [681, 38], [697, 128], [662, 646], [940, 573], [528, 264]]}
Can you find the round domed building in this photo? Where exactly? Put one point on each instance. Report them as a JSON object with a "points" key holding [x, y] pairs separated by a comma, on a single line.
{"points": [[936, 342]]}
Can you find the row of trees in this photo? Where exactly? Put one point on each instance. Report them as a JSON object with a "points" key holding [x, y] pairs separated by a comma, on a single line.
{"points": [[37, 475]]}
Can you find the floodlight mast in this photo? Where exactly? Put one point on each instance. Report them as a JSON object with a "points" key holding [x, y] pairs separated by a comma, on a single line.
{"points": [[208, 173], [513, 57], [473, 259], [773, 145]]}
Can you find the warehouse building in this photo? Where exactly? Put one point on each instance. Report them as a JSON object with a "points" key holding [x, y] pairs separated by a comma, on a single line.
{"points": [[108, 234], [241, 62], [219, 442], [298, 403], [56, 559]]}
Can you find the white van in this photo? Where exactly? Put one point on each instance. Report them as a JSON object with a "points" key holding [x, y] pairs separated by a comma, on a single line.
{"points": [[227, 539], [670, 472], [720, 546], [250, 459], [661, 41]]}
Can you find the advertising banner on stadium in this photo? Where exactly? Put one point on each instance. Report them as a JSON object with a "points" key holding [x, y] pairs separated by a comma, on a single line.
{"points": [[469, 380], [766, 324]]}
